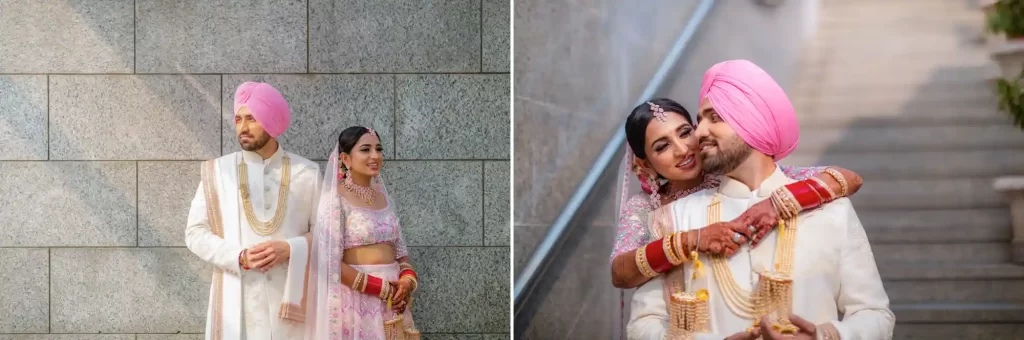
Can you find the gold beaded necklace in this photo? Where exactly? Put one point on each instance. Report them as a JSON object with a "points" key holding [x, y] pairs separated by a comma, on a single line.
{"points": [[773, 292], [259, 227]]}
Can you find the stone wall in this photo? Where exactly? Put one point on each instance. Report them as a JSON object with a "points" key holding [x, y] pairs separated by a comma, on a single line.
{"points": [[107, 108]]}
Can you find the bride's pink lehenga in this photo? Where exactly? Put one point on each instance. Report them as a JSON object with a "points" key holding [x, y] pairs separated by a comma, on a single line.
{"points": [[336, 311]]}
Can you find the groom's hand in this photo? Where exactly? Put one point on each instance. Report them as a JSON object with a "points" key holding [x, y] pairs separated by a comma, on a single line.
{"points": [[744, 335], [807, 330], [268, 254]]}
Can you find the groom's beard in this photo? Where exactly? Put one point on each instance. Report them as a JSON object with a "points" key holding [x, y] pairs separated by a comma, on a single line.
{"points": [[256, 144], [731, 153]]}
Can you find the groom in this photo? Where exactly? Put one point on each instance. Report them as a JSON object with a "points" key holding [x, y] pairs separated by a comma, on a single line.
{"points": [[250, 219], [817, 265]]}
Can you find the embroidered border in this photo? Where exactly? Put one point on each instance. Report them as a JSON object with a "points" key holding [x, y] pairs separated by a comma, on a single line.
{"points": [[216, 226], [291, 311]]}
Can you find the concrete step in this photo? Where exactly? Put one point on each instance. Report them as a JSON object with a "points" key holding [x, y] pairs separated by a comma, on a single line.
{"points": [[911, 139], [856, 39], [941, 253], [916, 80], [956, 291], [994, 271], [958, 312], [870, 8], [812, 116], [896, 71], [936, 226], [871, 17], [954, 284], [973, 53], [930, 331], [953, 193], [810, 91], [962, 100], [917, 164]]}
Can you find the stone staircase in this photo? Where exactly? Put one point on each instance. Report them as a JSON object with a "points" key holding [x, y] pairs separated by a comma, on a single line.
{"points": [[901, 92]]}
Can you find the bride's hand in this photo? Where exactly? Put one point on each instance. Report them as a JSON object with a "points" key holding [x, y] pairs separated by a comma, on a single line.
{"points": [[404, 288], [723, 238], [762, 216]]}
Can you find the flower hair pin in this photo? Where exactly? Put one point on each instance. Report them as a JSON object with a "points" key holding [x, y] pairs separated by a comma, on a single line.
{"points": [[657, 111]]}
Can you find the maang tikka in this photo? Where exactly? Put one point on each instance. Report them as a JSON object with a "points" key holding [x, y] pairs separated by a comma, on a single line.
{"points": [[657, 111]]}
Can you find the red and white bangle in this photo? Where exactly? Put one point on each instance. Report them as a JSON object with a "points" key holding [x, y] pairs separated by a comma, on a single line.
{"points": [[805, 195], [408, 272], [822, 188]]}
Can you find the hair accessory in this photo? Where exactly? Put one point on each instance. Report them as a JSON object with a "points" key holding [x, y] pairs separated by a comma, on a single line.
{"points": [[370, 131], [657, 111]]}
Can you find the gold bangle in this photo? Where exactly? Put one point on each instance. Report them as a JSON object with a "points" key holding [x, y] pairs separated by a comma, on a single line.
{"points": [[670, 254], [832, 195], [786, 207], [357, 284], [680, 246], [843, 188], [385, 290], [641, 263], [404, 266], [413, 280]]}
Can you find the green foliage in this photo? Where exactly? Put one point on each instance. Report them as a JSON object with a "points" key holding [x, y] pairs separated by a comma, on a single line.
{"points": [[1007, 17], [1011, 99]]}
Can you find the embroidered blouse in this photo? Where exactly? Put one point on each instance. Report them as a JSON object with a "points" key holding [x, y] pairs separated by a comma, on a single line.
{"points": [[366, 226], [633, 232]]}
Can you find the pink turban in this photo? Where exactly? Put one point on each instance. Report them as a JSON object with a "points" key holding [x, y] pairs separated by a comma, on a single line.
{"points": [[267, 105], [754, 105]]}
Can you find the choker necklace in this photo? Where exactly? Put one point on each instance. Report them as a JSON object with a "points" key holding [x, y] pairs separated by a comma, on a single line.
{"points": [[366, 194]]}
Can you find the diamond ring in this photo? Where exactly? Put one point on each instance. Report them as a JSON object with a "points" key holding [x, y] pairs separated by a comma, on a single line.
{"points": [[752, 228]]}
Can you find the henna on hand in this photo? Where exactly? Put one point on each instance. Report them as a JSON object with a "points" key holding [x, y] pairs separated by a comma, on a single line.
{"points": [[717, 238], [763, 217]]}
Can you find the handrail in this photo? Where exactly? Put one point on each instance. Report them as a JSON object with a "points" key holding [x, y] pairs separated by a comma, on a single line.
{"points": [[541, 255]]}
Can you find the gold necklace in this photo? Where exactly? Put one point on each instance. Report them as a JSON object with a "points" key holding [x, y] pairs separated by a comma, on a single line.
{"points": [[257, 226], [773, 291]]}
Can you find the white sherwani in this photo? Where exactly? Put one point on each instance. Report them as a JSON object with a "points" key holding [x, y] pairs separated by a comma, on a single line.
{"points": [[834, 271], [248, 303]]}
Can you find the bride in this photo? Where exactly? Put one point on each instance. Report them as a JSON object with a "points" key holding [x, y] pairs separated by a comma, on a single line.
{"points": [[362, 282]]}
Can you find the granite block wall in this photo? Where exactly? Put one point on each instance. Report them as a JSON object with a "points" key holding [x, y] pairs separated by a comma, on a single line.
{"points": [[107, 108]]}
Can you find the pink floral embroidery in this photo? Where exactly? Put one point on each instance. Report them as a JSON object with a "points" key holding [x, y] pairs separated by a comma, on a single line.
{"points": [[367, 226]]}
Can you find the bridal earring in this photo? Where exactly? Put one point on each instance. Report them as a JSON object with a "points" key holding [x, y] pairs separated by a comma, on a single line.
{"points": [[652, 182], [342, 172]]}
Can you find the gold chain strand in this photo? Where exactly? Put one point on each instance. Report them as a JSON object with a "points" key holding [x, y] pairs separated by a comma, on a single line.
{"points": [[259, 227], [745, 303]]}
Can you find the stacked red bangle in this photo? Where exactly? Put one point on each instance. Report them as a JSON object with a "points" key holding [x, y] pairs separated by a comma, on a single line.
{"points": [[804, 194], [373, 285], [824, 195], [407, 270], [656, 257]]}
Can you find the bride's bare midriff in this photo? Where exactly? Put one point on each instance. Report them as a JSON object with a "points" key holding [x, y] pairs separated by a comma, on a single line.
{"points": [[381, 253]]}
